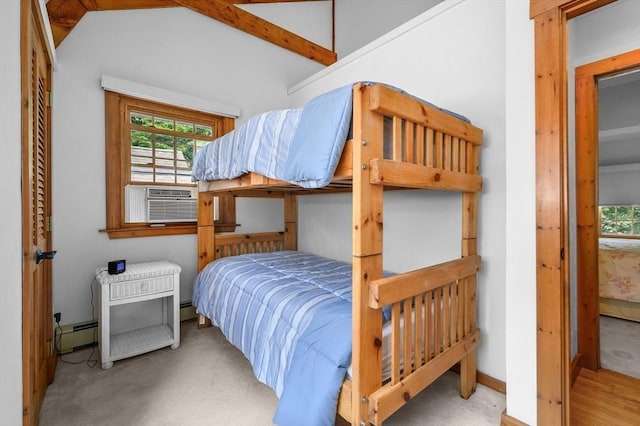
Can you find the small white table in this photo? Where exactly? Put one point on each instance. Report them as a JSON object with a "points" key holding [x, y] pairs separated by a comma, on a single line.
{"points": [[140, 282]]}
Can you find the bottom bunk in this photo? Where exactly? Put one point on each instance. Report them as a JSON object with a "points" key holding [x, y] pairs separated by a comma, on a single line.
{"points": [[290, 313]]}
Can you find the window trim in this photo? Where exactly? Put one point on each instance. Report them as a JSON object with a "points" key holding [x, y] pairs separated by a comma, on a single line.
{"points": [[117, 165]]}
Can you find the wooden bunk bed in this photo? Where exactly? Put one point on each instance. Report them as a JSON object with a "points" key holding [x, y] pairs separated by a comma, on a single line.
{"points": [[430, 149]]}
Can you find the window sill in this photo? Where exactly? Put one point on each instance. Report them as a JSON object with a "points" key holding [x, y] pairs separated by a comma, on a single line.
{"points": [[136, 231]]}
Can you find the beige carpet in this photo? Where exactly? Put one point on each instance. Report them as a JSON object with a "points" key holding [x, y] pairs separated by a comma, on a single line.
{"points": [[620, 345], [209, 382]]}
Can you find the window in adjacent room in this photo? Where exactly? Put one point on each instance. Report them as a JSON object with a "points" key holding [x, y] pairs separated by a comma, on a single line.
{"points": [[150, 149], [620, 220]]}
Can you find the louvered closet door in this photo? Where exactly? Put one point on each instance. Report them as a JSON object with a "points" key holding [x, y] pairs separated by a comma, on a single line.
{"points": [[38, 354]]}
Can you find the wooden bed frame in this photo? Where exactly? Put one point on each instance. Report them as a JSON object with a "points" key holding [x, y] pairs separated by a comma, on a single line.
{"points": [[430, 150], [620, 309]]}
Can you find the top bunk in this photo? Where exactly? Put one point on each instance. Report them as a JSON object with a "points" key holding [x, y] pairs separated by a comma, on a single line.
{"points": [[398, 140]]}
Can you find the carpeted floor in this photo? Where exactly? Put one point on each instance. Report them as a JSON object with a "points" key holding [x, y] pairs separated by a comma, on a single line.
{"points": [[209, 382], [620, 345]]}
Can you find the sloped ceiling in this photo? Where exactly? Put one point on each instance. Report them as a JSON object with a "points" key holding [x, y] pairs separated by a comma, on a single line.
{"points": [[64, 15]]}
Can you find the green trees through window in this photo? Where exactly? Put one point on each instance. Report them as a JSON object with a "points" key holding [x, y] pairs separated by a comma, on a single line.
{"points": [[163, 148], [624, 220]]}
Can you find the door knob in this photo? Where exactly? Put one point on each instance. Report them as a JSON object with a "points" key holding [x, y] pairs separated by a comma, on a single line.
{"points": [[44, 255]]}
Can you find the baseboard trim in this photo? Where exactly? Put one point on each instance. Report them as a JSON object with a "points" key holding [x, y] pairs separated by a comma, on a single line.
{"points": [[486, 380], [575, 368], [507, 420], [74, 337], [492, 382]]}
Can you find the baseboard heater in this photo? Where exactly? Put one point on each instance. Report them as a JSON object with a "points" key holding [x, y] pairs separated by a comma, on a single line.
{"points": [[74, 337]]}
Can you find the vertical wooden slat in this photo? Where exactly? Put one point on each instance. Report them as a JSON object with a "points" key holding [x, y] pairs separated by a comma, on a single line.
{"points": [[428, 325], [439, 146], [409, 143], [397, 139], [395, 343], [437, 322], [420, 148], [447, 152], [455, 145], [463, 155], [418, 345], [454, 312], [407, 337], [446, 317], [430, 148]]}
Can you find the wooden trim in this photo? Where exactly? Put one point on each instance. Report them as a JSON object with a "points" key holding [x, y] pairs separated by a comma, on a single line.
{"points": [[552, 252], [575, 368], [117, 167], [587, 198], [507, 420], [551, 219]]}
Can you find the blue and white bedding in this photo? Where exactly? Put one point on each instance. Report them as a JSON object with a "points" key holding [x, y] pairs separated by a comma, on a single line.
{"points": [[290, 314], [301, 146]]}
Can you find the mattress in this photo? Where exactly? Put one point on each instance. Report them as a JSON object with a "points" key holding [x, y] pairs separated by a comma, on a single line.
{"points": [[619, 269]]}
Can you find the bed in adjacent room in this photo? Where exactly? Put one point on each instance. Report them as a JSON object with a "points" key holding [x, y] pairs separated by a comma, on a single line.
{"points": [[619, 277]]}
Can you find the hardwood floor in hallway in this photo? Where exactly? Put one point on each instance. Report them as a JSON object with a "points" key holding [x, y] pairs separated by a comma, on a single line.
{"points": [[604, 397]]}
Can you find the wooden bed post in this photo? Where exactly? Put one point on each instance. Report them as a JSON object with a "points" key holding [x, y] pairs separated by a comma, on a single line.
{"points": [[367, 255], [468, 364], [290, 221], [206, 238]]}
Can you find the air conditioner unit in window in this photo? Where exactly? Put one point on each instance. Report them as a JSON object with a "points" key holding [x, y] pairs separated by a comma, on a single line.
{"points": [[161, 204]]}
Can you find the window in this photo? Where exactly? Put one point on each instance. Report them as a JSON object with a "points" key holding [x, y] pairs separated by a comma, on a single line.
{"points": [[149, 144], [620, 220]]}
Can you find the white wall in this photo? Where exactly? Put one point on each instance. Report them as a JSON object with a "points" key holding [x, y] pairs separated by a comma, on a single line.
{"points": [[520, 318], [174, 49], [417, 57], [212, 61], [10, 219], [619, 187]]}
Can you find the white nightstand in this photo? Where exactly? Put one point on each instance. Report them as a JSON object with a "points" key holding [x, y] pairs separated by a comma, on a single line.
{"points": [[140, 282]]}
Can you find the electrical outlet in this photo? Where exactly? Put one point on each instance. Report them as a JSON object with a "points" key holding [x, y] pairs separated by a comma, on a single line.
{"points": [[57, 316]]}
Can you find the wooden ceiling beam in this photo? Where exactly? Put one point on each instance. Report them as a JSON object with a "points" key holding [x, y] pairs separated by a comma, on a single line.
{"points": [[224, 11], [65, 15]]}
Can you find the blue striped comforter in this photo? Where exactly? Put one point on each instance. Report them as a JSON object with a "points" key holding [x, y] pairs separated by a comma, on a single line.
{"points": [[301, 146], [290, 315]]}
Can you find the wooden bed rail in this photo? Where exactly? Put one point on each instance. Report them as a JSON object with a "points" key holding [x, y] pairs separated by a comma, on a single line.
{"points": [[390, 102], [235, 244], [385, 291], [431, 328]]}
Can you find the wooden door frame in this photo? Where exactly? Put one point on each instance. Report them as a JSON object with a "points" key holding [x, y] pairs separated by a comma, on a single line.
{"points": [[551, 19], [587, 198]]}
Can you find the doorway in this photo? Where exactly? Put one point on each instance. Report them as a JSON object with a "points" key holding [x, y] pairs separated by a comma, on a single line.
{"points": [[621, 68]]}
